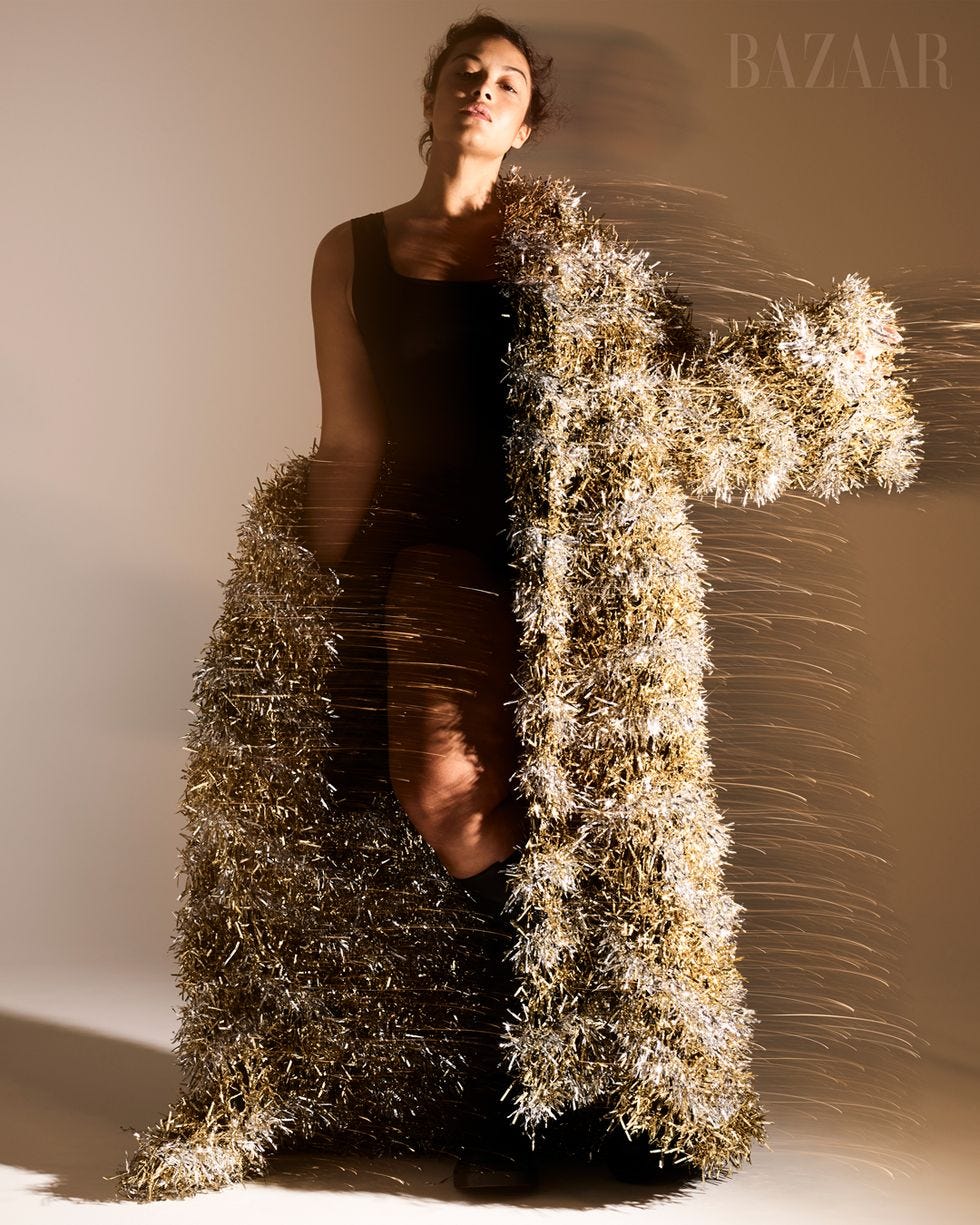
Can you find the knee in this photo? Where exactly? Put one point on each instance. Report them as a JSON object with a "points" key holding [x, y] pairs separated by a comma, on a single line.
{"points": [[448, 799]]}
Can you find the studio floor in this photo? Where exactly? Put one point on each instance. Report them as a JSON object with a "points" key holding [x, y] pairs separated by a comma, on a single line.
{"points": [[86, 1060]]}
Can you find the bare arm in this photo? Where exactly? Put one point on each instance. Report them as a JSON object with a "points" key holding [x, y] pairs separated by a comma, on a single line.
{"points": [[345, 466]]}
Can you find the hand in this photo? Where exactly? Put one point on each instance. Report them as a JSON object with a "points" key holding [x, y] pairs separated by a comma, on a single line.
{"points": [[889, 333], [888, 337]]}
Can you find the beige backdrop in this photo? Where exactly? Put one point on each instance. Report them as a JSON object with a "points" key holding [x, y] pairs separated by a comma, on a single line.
{"points": [[168, 171]]}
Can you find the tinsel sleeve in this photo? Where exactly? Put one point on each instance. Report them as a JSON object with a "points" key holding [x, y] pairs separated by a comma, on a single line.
{"points": [[805, 396], [253, 888]]}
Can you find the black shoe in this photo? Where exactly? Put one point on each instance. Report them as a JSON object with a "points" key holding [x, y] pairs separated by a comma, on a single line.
{"points": [[639, 1162], [494, 1154], [498, 1155], [501, 1162]]}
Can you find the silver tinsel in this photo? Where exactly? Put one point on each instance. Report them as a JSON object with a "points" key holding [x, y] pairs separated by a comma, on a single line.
{"points": [[331, 981]]}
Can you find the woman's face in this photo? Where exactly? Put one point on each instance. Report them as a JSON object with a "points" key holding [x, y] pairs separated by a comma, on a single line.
{"points": [[481, 97]]}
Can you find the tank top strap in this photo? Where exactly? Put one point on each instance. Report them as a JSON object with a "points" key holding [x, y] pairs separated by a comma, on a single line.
{"points": [[368, 243], [373, 284]]}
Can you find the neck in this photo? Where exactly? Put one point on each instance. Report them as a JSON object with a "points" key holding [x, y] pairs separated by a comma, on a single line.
{"points": [[457, 187]]}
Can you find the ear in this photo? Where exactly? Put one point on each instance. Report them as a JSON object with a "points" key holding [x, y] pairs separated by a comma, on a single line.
{"points": [[427, 100], [523, 132]]}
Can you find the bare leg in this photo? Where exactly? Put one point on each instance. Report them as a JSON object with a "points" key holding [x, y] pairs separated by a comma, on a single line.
{"points": [[451, 639]]}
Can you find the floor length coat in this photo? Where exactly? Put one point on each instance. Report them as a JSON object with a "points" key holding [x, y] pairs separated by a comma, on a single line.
{"points": [[331, 981]]}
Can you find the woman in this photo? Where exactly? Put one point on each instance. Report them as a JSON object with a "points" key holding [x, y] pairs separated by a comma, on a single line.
{"points": [[410, 330], [326, 945]]}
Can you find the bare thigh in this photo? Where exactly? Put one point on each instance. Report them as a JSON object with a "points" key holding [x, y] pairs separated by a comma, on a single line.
{"points": [[451, 638]]}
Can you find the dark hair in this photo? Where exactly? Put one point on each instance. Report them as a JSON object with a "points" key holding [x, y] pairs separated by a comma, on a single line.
{"points": [[479, 22]]}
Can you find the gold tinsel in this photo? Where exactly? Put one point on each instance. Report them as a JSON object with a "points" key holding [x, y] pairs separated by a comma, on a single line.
{"points": [[331, 980]]}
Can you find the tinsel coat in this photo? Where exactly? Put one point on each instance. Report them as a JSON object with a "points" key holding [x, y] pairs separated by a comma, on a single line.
{"points": [[329, 977]]}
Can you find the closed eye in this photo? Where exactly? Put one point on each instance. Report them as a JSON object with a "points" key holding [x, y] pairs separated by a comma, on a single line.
{"points": [[476, 72]]}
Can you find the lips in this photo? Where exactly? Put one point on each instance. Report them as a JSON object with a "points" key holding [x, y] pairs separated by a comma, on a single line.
{"points": [[479, 110]]}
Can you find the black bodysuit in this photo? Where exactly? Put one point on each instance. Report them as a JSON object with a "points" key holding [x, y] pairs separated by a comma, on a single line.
{"points": [[436, 350]]}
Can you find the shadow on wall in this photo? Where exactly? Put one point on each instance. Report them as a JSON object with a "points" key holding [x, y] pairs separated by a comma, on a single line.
{"points": [[619, 91]]}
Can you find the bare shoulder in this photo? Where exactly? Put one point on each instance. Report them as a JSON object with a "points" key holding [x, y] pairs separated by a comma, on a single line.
{"points": [[353, 415], [333, 267], [335, 251]]}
